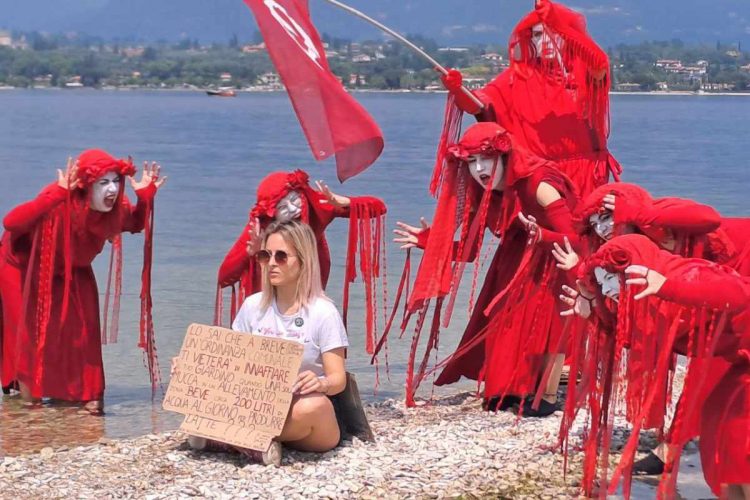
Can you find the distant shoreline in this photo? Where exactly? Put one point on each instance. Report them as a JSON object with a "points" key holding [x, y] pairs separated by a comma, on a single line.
{"points": [[377, 91]]}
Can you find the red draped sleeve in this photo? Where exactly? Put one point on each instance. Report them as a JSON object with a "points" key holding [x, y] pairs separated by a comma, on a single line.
{"points": [[708, 285], [684, 216], [135, 217], [236, 261], [23, 218]]}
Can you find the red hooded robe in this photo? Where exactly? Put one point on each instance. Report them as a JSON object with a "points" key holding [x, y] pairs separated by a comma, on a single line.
{"points": [[365, 234], [702, 311], [51, 329], [555, 105], [463, 203], [696, 230]]}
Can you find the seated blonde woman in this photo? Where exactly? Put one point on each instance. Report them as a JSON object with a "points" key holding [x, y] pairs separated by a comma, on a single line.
{"points": [[292, 306]]}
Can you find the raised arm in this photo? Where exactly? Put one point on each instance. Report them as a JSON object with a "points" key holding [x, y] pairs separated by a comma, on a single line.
{"points": [[704, 284], [336, 205], [685, 216], [145, 192], [237, 259], [24, 217], [135, 216]]}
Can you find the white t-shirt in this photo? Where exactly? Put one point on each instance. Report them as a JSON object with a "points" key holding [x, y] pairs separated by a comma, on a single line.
{"points": [[318, 326]]}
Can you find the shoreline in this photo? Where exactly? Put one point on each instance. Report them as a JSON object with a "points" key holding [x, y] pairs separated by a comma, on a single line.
{"points": [[447, 448], [670, 93]]}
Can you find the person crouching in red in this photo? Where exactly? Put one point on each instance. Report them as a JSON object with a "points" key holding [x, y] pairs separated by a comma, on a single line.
{"points": [[52, 340], [666, 305]]}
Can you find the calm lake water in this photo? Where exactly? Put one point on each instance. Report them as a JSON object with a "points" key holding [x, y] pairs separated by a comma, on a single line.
{"points": [[215, 151]]}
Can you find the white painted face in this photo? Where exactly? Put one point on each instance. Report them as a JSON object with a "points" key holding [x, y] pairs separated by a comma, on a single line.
{"points": [[544, 46], [610, 283], [603, 225], [480, 168], [104, 192], [289, 207]]}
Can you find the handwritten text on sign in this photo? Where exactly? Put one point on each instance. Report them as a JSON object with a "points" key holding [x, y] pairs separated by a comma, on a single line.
{"points": [[233, 387]]}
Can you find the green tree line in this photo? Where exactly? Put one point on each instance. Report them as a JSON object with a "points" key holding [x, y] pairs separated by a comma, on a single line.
{"points": [[55, 60]]}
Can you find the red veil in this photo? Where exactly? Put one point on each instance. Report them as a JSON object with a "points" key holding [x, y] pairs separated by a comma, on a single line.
{"points": [[578, 65]]}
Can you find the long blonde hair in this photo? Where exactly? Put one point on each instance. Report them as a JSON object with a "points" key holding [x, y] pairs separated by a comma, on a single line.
{"points": [[301, 238]]}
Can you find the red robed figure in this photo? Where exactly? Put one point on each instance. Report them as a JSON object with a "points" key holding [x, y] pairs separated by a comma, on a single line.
{"points": [[333, 121]]}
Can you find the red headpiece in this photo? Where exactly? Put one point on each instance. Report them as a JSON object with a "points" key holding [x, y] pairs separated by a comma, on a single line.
{"points": [[94, 163], [274, 187], [629, 249], [633, 194], [578, 65], [484, 138]]}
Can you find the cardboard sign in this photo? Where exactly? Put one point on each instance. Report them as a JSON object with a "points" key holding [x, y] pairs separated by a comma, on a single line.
{"points": [[233, 387]]}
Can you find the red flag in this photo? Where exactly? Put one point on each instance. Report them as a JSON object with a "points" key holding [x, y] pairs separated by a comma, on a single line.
{"points": [[333, 121]]}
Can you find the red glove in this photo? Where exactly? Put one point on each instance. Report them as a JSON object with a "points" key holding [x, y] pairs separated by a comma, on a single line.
{"points": [[453, 81]]}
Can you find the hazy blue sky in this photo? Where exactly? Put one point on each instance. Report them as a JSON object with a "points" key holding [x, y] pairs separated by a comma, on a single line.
{"points": [[449, 21]]}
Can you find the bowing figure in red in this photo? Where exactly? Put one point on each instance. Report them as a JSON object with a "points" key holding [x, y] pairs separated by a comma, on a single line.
{"points": [[52, 336], [554, 97], [678, 225], [665, 305], [483, 184], [286, 196]]}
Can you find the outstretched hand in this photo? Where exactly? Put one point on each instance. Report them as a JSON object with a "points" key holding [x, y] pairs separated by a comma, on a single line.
{"points": [[150, 175], [566, 258], [579, 303], [68, 179], [652, 280], [408, 236], [334, 199], [531, 226]]}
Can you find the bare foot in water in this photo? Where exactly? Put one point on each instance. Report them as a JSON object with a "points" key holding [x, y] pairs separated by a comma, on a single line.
{"points": [[95, 407]]}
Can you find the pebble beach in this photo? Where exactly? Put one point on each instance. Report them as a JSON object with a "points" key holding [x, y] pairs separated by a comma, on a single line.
{"points": [[447, 448]]}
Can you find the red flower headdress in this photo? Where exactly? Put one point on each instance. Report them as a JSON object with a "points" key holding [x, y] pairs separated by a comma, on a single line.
{"points": [[485, 138], [274, 187], [94, 163], [632, 194]]}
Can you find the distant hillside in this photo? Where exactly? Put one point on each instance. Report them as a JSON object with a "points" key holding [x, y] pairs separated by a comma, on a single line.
{"points": [[447, 21]]}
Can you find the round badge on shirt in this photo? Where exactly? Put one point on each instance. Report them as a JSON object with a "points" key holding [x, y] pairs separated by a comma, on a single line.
{"points": [[298, 322]]}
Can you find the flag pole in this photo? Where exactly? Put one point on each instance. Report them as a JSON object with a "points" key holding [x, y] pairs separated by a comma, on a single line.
{"points": [[438, 67]]}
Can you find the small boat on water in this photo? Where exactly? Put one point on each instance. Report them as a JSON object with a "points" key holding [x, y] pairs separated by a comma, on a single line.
{"points": [[222, 92]]}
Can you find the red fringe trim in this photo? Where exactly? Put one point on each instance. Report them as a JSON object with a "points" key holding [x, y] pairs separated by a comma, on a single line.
{"points": [[366, 239], [147, 340], [115, 266]]}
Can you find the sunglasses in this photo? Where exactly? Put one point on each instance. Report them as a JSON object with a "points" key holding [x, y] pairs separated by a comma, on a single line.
{"points": [[280, 256]]}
